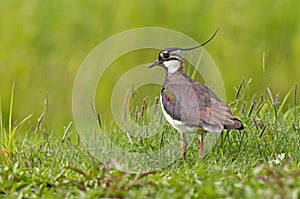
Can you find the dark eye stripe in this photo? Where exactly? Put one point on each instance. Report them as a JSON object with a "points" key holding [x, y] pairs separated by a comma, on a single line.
{"points": [[173, 58], [162, 56]]}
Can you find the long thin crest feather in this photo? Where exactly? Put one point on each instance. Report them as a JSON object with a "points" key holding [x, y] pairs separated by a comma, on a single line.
{"points": [[192, 48]]}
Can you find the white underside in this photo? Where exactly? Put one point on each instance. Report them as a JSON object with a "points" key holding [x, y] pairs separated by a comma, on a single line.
{"points": [[178, 125]]}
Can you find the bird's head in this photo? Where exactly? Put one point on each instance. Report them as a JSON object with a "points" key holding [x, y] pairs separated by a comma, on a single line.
{"points": [[172, 59]]}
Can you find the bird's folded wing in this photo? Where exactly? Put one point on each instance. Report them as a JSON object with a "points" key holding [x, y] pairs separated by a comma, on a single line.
{"points": [[195, 104]]}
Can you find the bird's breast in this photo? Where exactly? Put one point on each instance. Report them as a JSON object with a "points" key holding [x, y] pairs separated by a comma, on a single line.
{"points": [[176, 123]]}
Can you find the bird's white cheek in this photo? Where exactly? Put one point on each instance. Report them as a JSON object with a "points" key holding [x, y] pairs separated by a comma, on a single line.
{"points": [[172, 65]]}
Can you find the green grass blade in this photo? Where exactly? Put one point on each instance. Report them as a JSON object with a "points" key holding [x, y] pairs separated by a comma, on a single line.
{"points": [[1, 121], [3, 134], [193, 75], [11, 147], [11, 107], [285, 100]]}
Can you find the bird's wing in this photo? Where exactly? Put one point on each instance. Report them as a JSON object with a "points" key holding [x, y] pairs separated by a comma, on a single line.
{"points": [[195, 104]]}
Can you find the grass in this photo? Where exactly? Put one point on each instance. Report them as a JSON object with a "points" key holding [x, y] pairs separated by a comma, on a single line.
{"points": [[261, 161], [8, 147]]}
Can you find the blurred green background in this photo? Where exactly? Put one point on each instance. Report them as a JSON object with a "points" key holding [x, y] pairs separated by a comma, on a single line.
{"points": [[43, 43]]}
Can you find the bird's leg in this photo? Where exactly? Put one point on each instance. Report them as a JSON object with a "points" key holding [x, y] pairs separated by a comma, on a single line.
{"points": [[201, 143], [184, 146]]}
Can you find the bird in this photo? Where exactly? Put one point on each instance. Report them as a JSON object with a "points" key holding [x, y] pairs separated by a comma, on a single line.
{"points": [[190, 106]]}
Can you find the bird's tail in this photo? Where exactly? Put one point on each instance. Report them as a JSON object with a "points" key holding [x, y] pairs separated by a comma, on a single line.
{"points": [[235, 124]]}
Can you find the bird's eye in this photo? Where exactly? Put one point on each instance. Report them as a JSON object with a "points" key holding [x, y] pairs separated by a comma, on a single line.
{"points": [[166, 55]]}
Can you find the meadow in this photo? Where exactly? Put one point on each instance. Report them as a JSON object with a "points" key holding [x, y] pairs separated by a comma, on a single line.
{"points": [[43, 45]]}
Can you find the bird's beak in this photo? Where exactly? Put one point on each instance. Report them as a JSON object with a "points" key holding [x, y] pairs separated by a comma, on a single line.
{"points": [[156, 63]]}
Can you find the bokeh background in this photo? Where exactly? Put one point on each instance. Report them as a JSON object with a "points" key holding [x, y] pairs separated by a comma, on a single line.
{"points": [[43, 43]]}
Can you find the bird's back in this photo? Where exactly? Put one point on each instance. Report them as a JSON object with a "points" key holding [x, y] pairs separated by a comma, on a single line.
{"points": [[195, 104]]}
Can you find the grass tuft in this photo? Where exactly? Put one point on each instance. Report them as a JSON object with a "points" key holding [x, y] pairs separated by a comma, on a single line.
{"points": [[7, 142]]}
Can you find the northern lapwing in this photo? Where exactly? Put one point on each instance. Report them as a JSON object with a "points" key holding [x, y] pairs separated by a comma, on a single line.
{"points": [[189, 106]]}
